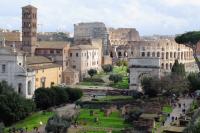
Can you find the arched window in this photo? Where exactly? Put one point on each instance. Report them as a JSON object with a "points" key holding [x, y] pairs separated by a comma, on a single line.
{"points": [[167, 55], [167, 67], [158, 54], [29, 88], [163, 54], [143, 54], [153, 54], [171, 55], [162, 66], [148, 54]]}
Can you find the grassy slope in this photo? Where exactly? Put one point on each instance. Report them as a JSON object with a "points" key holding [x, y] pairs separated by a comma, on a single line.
{"points": [[34, 120]]}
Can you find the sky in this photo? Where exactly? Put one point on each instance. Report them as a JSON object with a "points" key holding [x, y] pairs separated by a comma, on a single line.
{"points": [[149, 17]]}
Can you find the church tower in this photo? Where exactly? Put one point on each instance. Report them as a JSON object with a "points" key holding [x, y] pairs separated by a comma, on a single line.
{"points": [[29, 29]]}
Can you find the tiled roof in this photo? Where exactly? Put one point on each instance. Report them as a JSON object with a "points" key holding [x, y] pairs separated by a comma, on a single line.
{"points": [[53, 44], [44, 66], [83, 47], [37, 60]]}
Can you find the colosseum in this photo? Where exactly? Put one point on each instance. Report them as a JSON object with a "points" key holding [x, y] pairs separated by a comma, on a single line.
{"points": [[165, 49]]}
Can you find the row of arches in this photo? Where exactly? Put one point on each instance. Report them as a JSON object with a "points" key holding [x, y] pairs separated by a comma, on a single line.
{"points": [[168, 55]]}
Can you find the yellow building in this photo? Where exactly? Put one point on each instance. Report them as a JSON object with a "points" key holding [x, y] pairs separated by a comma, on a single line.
{"points": [[47, 73]]}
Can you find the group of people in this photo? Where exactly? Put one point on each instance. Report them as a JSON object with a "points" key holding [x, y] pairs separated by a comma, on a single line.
{"points": [[180, 106]]}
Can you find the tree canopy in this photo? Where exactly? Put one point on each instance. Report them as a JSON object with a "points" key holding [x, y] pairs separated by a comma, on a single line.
{"points": [[190, 39], [13, 107], [92, 72], [178, 69]]}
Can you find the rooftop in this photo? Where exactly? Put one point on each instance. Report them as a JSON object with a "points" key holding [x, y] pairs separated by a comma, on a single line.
{"points": [[30, 60], [83, 47], [53, 44]]}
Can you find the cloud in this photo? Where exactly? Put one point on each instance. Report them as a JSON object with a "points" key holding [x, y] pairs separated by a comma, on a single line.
{"points": [[149, 17]]}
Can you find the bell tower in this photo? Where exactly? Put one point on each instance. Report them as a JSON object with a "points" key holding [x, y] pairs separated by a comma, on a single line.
{"points": [[29, 29]]}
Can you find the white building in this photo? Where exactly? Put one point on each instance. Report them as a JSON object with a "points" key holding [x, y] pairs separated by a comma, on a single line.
{"points": [[13, 70], [84, 58]]}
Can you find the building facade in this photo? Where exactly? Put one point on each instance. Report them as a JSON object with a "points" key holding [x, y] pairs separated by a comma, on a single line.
{"points": [[13, 69], [93, 30], [47, 73], [57, 51], [122, 36], [167, 50], [84, 57], [29, 29]]}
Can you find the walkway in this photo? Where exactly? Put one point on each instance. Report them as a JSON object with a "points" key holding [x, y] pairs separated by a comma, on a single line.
{"points": [[178, 111]]}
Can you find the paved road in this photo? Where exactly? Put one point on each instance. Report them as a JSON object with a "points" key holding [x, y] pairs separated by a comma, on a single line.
{"points": [[178, 111]]}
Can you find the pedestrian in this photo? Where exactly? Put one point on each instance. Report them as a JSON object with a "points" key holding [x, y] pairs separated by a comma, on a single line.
{"points": [[172, 118]]}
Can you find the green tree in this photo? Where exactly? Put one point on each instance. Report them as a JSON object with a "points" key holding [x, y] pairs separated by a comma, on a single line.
{"points": [[151, 86], [74, 93], [92, 72], [178, 69], [57, 124], [190, 39], [194, 81], [107, 68], [115, 78], [13, 107]]}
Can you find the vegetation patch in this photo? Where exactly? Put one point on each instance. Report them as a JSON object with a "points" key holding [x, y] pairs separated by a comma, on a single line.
{"points": [[34, 120], [98, 119]]}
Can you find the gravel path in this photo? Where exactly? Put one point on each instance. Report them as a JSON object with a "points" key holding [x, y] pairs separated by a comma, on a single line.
{"points": [[177, 111]]}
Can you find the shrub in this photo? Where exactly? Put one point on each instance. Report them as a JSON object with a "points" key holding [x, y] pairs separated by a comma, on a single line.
{"points": [[92, 72], [57, 124], [74, 93], [107, 68], [115, 78]]}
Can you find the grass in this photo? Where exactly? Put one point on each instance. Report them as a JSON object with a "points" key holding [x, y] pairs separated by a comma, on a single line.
{"points": [[33, 120], [122, 84], [105, 76], [112, 98], [113, 121], [167, 109]]}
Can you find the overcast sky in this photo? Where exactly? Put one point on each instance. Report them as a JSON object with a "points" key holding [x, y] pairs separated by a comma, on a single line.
{"points": [[147, 16]]}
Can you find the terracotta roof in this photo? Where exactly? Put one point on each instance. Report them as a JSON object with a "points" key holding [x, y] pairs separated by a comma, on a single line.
{"points": [[44, 66], [83, 47], [37, 60], [53, 44]]}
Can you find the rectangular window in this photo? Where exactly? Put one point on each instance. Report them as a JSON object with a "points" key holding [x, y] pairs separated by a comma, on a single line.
{"points": [[70, 54], [3, 68], [76, 54]]}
